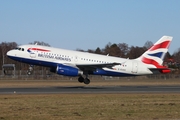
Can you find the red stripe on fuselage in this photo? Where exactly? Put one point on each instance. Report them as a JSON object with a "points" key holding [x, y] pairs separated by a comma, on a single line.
{"points": [[38, 49]]}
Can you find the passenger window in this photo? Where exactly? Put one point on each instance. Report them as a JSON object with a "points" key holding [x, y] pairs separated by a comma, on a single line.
{"points": [[22, 49]]}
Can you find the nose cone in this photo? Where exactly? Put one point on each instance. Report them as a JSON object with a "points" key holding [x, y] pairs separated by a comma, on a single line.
{"points": [[10, 53], [13, 55]]}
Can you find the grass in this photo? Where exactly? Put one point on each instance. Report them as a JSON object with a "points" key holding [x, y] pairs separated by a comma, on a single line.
{"points": [[89, 106]]}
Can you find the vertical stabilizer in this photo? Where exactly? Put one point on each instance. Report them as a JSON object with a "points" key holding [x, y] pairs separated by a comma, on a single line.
{"points": [[154, 56]]}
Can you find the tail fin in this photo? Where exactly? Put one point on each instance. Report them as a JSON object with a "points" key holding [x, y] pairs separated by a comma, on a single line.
{"points": [[155, 55]]}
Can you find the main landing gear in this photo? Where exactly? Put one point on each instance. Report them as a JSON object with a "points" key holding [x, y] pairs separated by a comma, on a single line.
{"points": [[85, 80]]}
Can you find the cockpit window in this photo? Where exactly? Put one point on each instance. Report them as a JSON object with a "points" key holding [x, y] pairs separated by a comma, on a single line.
{"points": [[20, 49]]}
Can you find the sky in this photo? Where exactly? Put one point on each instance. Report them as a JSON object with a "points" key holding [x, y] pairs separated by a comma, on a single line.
{"points": [[88, 24]]}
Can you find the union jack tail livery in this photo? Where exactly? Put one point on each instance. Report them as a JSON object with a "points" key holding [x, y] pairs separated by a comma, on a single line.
{"points": [[154, 57]]}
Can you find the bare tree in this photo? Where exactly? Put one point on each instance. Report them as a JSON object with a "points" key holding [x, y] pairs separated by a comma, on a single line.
{"points": [[148, 44], [78, 49], [98, 51], [135, 52], [90, 51], [176, 55], [124, 49], [4, 48], [106, 50]]}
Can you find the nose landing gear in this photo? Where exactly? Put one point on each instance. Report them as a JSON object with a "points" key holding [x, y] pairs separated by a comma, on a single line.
{"points": [[29, 72]]}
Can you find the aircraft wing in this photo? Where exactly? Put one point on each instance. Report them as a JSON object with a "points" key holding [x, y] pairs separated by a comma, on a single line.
{"points": [[86, 67]]}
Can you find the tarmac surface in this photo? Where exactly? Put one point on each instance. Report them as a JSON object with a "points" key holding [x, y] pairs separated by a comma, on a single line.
{"points": [[91, 89]]}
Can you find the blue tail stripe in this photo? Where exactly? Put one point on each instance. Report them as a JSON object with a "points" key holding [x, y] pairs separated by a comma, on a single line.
{"points": [[159, 54]]}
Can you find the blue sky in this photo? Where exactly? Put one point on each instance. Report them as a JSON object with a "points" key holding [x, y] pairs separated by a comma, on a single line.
{"points": [[88, 24]]}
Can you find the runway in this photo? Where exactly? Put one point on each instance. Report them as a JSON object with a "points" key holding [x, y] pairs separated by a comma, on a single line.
{"points": [[91, 89]]}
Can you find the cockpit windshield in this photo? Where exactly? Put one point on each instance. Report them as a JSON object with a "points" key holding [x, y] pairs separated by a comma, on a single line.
{"points": [[19, 48]]}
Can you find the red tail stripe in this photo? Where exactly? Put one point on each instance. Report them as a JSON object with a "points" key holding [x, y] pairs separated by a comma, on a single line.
{"points": [[164, 44], [150, 61]]}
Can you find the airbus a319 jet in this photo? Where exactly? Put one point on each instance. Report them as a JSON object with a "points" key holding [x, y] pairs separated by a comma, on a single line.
{"points": [[81, 64]]}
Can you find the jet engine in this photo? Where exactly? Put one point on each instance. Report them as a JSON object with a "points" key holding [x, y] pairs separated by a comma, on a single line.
{"points": [[67, 70]]}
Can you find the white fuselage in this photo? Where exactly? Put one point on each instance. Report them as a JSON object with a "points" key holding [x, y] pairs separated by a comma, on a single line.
{"points": [[51, 57]]}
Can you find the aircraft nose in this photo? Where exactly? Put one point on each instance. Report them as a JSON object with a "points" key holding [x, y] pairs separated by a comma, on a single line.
{"points": [[9, 53]]}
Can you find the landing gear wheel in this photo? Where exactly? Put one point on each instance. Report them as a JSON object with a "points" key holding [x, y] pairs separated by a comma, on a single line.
{"points": [[29, 72], [86, 81], [81, 79]]}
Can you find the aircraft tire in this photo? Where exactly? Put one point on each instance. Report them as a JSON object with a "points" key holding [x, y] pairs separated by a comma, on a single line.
{"points": [[86, 81], [29, 72], [81, 79]]}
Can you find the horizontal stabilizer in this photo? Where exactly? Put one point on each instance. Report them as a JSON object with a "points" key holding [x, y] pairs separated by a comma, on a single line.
{"points": [[160, 70]]}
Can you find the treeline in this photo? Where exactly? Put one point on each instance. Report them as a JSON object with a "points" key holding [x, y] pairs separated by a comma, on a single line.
{"points": [[125, 51], [119, 50]]}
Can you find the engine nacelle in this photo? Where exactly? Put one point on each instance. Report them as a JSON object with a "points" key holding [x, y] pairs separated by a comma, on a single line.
{"points": [[68, 70]]}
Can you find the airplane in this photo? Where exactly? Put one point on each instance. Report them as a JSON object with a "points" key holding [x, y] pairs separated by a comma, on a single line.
{"points": [[81, 64]]}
